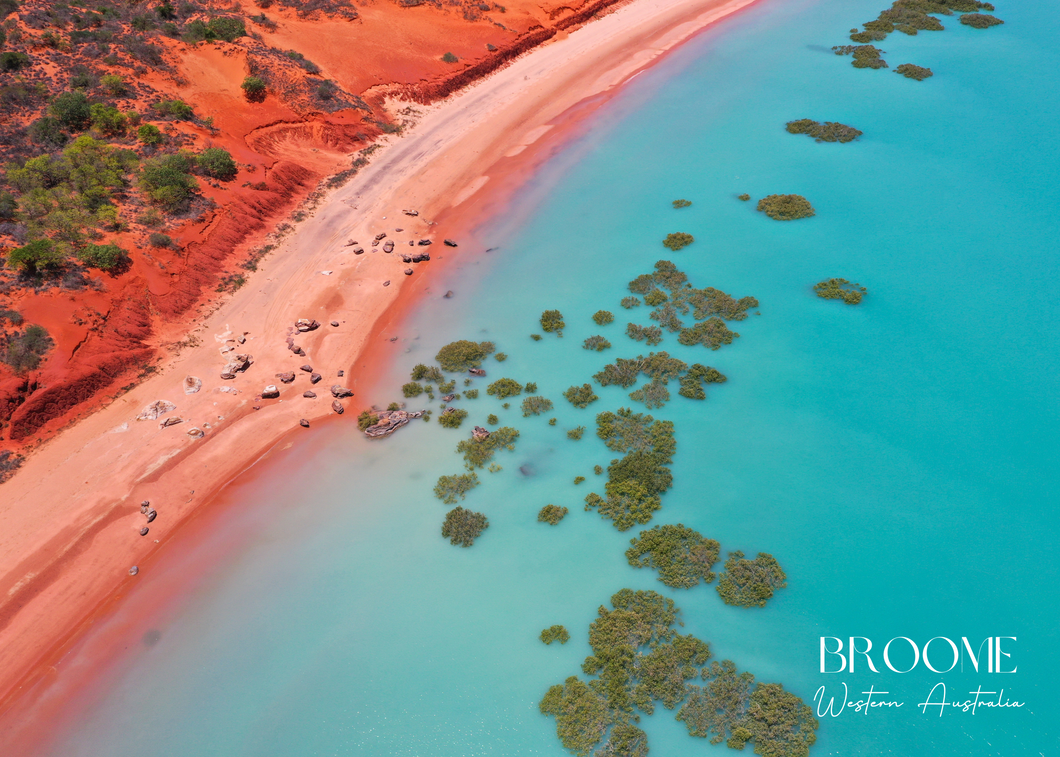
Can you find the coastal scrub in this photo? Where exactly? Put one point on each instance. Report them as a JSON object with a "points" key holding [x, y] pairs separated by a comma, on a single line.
{"points": [[828, 131], [555, 633], [462, 355], [682, 556], [462, 526], [750, 583], [678, 240], [552, 514], [449, 488], [786, 207], [840, 289]]}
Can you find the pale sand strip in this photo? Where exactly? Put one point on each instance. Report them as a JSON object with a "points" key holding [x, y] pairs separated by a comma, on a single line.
{"points": [[69, 520]]}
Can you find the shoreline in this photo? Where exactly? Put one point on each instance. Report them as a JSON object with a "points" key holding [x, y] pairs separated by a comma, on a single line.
{"points": [[69, 545]]}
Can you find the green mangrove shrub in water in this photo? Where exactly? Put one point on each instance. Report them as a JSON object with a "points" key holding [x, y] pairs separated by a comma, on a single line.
{"points": [[840, 289], [478, 452], [786, 207], [828, 131], [711, 333], [682, 556], [682, 204], [581, 396], [750, 583], [630, 302], [504, 387], [909, 71], [603, 317], [427, 373], [678, 241], [576, 433], [552, 514], [650, 334], [412, 389], [980, 20], [555, 633], [552, 321], [462, 355], [449, 488], [462, 526], [451, 417], [536, 405], [596, 343]]}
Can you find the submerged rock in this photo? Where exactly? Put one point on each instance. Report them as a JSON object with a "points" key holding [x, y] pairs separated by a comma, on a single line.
{"points": [[477, 371], [478, 433], [389, 421]]}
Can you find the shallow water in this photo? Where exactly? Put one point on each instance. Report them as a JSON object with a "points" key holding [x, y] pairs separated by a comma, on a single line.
{"points": [[896, 457]]}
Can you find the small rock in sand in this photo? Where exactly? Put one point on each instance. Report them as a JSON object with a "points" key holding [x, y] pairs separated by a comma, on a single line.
{"points": [[307, 368], [337, 407], [151, 515], [341, 373], [170, 422], [339, 391], [309, 395], [424, 242], [450, 243], [286, 377], [314, 378], [386, 283], [335, 324], [408, 271], [270, 392], [144, 531], [133, 570], [192, 384], [156, 409], [303, 423], [196, 433], [448, 295]]}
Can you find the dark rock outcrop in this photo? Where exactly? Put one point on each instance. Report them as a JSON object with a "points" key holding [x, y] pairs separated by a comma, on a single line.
{"points": [[450, 243], [338, 392], [270, 392], [337, 407], [286, 377]]}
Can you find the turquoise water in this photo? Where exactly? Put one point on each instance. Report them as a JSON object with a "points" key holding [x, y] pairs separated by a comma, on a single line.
{"points": [[898, 458]]}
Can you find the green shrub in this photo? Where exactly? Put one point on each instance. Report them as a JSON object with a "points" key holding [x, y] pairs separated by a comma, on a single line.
{"points": [[254, 89], [108, 120], [744, 197], [478, 452], [462, 526], [35, 256], [829, 131], [500, 357], [505, 387], [72, 110], [840, 289], [365, 419], [552, 321], [678, 241], [471, 394], [449, 58], [178, 110], [909, 71], [581, 396], [160, 240], [114, 85], [980, 20], [653, 394], [596, 343], [552, 514], [23, 350], [452, 418], [555, 633], [492, 420], [576, 433], [449, 488], [149, 134], [105, 257], [412, 389], [462, 355], [786, 207], [13, 61], [630, 302], [712, 333], [217, 162], [603, 317], [651, 334], [226, 28], [48, 132], [682, 203], [167, 180], [682, 556], [655, 298], [426, 373], [536, 337], [531, 387], [750, 583], [536, 405]]}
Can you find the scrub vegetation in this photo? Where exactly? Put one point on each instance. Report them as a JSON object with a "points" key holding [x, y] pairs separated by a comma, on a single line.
{"points": [[840, 289], [828, 131]]}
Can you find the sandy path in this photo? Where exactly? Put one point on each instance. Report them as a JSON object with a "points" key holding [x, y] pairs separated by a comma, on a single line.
{"points": [[70, 519]]}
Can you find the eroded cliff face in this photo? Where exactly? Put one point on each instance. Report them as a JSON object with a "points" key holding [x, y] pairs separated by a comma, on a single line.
{"points": [[327, 66]]}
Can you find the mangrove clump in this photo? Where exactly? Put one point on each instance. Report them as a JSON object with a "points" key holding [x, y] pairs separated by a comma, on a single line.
{"points": [[555, 633], [712, 333], [828, 131], [552, 514], [682, 203], [749, 583], [552, 321], [650, 334], [909, 71], [581, 396], [840, 289], [451, 417], [462, 526], [459, 356], [980, 20], [682, 556], [575, 434], [603, 317], [630, 302], [786, 207], [536, 405], [678, 241], [504, 387], [478, 452], [597, 343], [449, 488]]}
